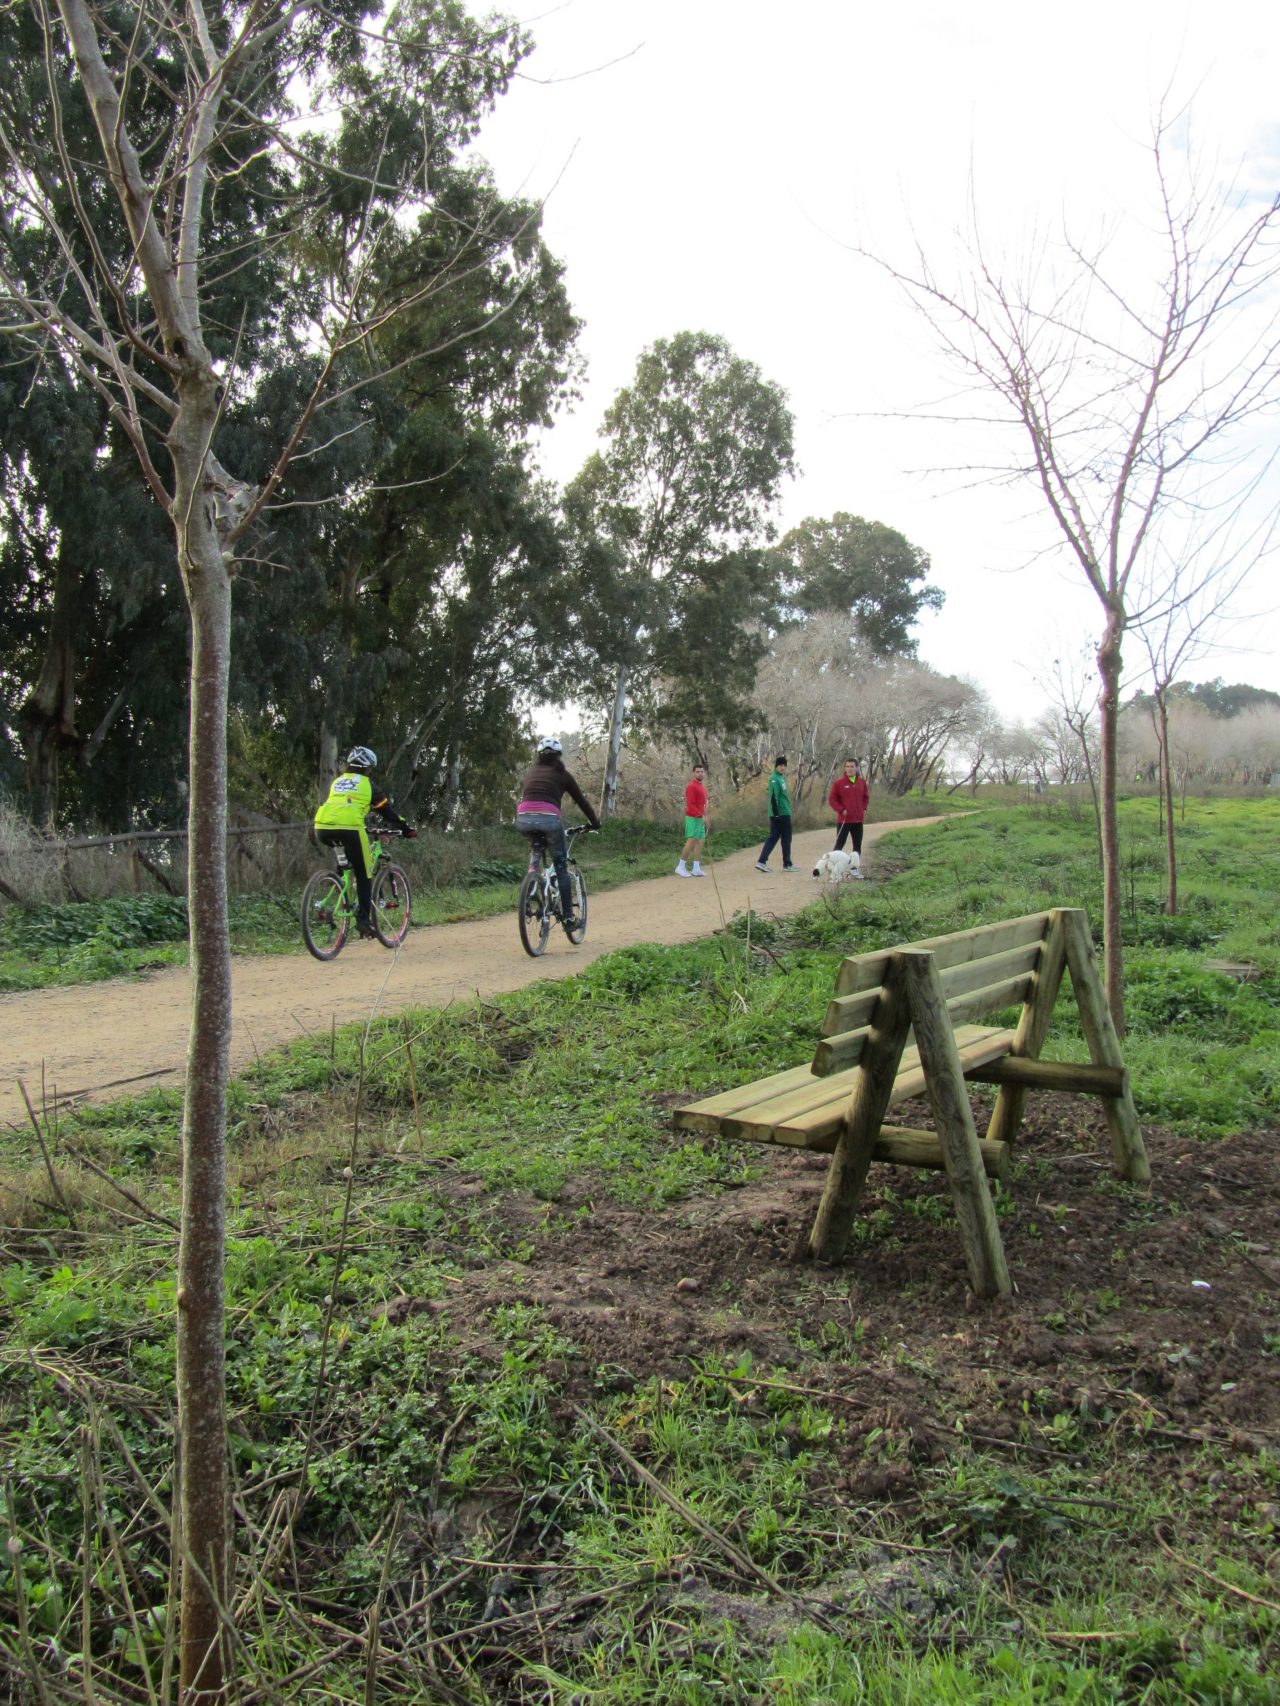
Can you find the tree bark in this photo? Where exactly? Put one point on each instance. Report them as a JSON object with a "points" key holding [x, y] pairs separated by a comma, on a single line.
{"points": [[204, 1514], [328, 757], [1166, 808], [48, 715], [1109, 665], [609, 787]]}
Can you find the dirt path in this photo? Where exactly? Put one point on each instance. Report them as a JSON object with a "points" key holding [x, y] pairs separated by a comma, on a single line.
{"points": [[125, 1035]]}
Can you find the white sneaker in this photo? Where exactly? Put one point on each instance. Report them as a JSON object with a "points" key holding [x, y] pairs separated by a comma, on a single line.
{"points": [[697, 871], [680, 870], [761, 866]]}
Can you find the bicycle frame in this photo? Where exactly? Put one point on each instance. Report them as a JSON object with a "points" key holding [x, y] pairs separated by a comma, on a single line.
{"points": [[540, 903], [541, 864], [330, 901]]}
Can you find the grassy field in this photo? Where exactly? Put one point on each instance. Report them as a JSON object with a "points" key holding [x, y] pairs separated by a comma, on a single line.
{"points": [[529, 1404]]}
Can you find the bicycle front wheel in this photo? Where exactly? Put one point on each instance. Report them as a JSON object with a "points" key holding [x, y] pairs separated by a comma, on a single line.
{"points": [[534, 915], [391, 903], [326, 915], [578, 889]]}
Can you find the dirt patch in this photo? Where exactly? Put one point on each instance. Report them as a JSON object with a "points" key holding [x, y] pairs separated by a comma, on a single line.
{"points": [[1145, 1312]]}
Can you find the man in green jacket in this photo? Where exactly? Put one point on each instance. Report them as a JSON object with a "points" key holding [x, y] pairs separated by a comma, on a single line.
{"points": [[779, 817]]}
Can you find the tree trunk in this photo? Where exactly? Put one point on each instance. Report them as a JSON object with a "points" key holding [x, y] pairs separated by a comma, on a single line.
{"points": [[1109, 664], [609, 788], [1166, 807], [48, 715], [328, 757], [204, 1512], [452, 786], [1082, 735]]}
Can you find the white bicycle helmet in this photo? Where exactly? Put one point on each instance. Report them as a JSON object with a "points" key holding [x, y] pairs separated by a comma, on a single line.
{"points": [[550, 744], [360, 758]]}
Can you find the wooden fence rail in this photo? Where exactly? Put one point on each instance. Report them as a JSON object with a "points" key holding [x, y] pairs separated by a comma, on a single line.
{"points": [[136, 835]]}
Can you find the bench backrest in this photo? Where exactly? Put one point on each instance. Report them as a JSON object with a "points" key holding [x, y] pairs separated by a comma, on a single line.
{"points": [[982, 971]]}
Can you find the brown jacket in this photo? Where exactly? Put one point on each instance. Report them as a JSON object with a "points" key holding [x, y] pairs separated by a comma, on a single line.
{"points": [[547, 782]]}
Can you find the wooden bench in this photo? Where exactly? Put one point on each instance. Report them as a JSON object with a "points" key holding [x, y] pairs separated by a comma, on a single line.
{"points": [[902, 1024]]}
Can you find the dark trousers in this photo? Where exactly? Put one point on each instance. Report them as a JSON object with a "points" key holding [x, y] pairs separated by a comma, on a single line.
{"points": [[551, 827], [350, 852], [779, 831], [850, 829]]}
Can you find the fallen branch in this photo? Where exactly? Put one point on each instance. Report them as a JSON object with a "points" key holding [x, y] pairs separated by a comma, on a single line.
{"points": [[149, 1213], [1218, 1581], [48, 1159]]}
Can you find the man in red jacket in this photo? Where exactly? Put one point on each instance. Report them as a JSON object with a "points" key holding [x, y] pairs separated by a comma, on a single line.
{"points": [[695, 822], [848, 800]]}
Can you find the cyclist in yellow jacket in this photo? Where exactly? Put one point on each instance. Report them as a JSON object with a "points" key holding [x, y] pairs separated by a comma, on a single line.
{"points": [[340, 823]]}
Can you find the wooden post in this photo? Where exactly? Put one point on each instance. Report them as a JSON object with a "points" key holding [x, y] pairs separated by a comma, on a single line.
{"points": [[949, 1099], [1033, 1027], [1127, 1147], [867, 1107]]}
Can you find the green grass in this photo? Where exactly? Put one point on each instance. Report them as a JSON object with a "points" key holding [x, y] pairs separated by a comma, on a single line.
{"points": [[466, 1442]]}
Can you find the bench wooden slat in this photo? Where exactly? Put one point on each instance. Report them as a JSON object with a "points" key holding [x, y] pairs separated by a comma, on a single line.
{"points": [[849, 1012], [976, 1044], [866, 971], [808, 1119], [707, 1114], [992, 998]]}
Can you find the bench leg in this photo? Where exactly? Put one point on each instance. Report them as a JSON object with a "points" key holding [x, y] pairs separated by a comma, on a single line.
{"points": [[1033, 1027], [1127, 1147], [870, 1102], [953, 1117]]}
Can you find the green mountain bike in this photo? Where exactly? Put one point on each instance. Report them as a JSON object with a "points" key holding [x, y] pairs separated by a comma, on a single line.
{"points": [[329, 902], [539, 906]]}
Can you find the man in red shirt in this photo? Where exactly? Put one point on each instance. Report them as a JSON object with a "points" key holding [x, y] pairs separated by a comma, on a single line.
{"points": [[695, 822], [848, 800]]}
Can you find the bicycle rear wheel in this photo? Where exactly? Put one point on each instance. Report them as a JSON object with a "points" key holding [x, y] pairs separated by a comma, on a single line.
{"points": [[326, 915], [391, 904], [534, 915], [578, 890]]}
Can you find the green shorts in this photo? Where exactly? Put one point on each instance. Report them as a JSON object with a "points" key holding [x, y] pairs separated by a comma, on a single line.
{"points": [[695, 828]]}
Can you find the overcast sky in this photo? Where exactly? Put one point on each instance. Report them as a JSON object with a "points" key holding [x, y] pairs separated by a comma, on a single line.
{"points": [[710, 165]]}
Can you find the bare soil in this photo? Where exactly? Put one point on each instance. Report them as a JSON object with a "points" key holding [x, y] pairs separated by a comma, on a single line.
{"points": [[1140, 1314], [112, 1038]]}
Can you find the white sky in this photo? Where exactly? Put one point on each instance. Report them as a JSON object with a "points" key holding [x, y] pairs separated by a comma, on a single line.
{"points": [[707, 164]]}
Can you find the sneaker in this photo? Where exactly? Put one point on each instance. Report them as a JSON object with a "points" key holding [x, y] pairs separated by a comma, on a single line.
{"points": [[761, 866], [791, 867], [680, 870], [697, 871], [571, 922], [365, 930]]}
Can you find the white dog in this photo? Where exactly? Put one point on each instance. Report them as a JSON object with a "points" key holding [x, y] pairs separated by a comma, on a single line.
{"points": [[838, 867]]}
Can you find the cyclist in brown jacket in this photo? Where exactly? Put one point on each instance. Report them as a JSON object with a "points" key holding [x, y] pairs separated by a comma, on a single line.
{"points": [[546, 782]]}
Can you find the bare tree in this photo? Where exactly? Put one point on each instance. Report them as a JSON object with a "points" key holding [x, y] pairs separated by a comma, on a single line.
{"points": [[1127, 408], [1189, 607], [119, 154], [1067, 677]]}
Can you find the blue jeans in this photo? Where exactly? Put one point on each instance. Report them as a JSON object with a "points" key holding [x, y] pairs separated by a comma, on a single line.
{"points": [[779, 831], [551, 825]]}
